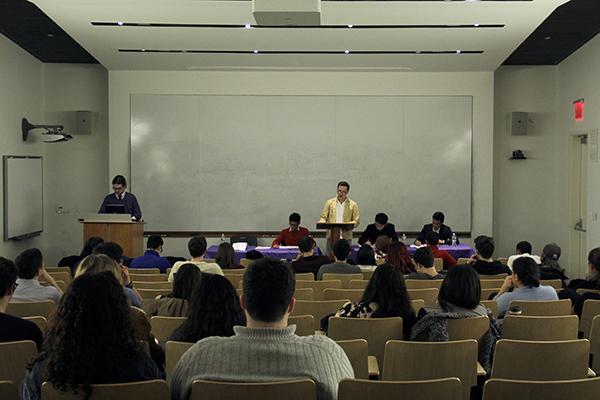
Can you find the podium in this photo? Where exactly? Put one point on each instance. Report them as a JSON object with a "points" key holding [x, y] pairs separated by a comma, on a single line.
{"points": [[126, 233], [335, 232]]}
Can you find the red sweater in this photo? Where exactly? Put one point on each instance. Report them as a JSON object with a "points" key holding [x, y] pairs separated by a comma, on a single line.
{"points": [[290, 238], [449, 261]]}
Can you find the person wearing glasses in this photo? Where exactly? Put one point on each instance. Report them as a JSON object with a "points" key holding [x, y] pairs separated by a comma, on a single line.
{"points": [[121, 201], [291, 236]]}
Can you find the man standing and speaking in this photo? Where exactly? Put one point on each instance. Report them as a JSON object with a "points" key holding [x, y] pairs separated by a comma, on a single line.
{"points": [[341, 209]]}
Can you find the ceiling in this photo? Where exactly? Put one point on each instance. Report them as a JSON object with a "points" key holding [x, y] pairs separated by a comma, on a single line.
{"points": [[384, 35]]}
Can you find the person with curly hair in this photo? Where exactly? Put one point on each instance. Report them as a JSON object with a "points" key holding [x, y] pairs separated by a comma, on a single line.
{"points": [[91, 341], [215, 309]]}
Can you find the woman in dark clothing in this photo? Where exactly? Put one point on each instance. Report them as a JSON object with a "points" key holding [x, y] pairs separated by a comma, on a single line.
{"points": [[176, 304], [225, 257], [88, 248], [91, 341]]}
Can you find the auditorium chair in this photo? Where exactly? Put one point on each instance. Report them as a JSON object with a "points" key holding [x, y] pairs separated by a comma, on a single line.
{"points": [[555, 328], [146, 390], [58, 269], [14, 358], [148, 277], [496, 276], [438, 263], [305, 324], [595, 344], [318, 309], [304, 294], [339, 294], [61, 285], [163, 327], [491, 305], [62, 276], [543, 308], [491, 283], [319, 286], [430, 296], [344, 278], [579, 389], [434, 389], [301, 389], [502, 260], [468, 328], [591, 308], [8, 391], [416, 305], [153, 293], [463, 261], [173, 352], [358, 284], [41, 322], [235, 280], [367, 275], [154, 285], [423, 283], [357, 351], [555, 283], [31, 308], [304, 276], [486, 293], [141, 271]]}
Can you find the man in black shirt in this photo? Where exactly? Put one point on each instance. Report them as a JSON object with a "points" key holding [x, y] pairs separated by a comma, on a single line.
{"points": [[381, 227], [13, 328], [484, 264], [307, 261], [437, 226]]}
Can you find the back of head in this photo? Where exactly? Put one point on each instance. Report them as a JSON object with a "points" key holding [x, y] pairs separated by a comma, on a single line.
{"points": [[387, 289], [197, 246], [268, 289], [254, 255], [366, 255], [8, 276], [305, 244], [187, 277], [524, 247], [341, 249], [111, 250], [29, 263], [484, 246], [225, 256], [594, 259], [97, 263], [381, 218], [461, 287], [424, 256], [89, 246], [294, 217], [438, 216], [551, 253], [382, 243], [397, 256], [432, 238], [527, 271], [154, 242]]}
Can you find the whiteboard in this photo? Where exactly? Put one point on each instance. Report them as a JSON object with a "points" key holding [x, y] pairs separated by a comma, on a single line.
{"points": [[245, 163], [23, 196]]}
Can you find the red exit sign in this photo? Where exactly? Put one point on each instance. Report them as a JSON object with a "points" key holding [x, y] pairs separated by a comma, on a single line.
{"points": [[579, 110]]}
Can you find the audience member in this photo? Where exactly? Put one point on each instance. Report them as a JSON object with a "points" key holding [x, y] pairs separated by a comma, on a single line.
{"points": [[30, 270], [525, 284], [267, 349], [365, 259], [115, 253], [432, 240], [176, 304], [385, 296], [382, 245], [550, 268], [307, 260], [424, 268], [592, 282], [225, 257], [151, 257], [380, 227], [523, 249], [197, 249], [484, 264], [341, 251], [88, 247], [437, 226], [397, 256], [291, 236], [91, 341], [12, 328], [254, 255], [214, 311]]}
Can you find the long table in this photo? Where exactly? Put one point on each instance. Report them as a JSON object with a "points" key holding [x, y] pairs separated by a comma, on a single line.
{"points": [[458, 251]]}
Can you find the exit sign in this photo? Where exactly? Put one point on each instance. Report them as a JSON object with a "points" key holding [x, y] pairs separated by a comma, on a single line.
{"points": [[578, 110]]}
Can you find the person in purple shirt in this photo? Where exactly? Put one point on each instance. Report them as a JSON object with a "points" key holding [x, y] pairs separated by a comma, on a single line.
{"points": [[151, 257], [121, 201]]}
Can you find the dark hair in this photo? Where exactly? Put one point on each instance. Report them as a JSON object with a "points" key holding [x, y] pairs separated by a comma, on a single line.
{"points": [[594, 261], [29, 263], [424, 256], [214, 311], [382, 243], [366, 255], [527, 271], [225, 256], [187, 277], [432, 238], [381, 218], [268, 289], [397, 255], [461, 287], [343, 183], [254, 255], [294, 217], [119, 180], [110, 249], [524, 247], [341, 249], [388, 290], [438, 216], [484, 246], [154, 242], [197, 246], [8, 276], [305, 244], [89, 246], [92, 338]]}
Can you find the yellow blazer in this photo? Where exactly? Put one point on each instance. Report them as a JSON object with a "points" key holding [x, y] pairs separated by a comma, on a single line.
{"points": [[351, 214]]}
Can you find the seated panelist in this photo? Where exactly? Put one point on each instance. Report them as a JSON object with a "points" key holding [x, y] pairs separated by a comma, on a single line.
{"points": [[437, 226], [291, 236]]}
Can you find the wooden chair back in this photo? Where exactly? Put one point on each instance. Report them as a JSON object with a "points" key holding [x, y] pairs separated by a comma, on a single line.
{"points": [[8, 391], [495, 276], [468, 328], [463, 261], [417, 305], [153, 293], [340, 294], [173, 352], [149, 277], [245, 262], [163, 327], [344, 278], [376, 331], [591, 308], [502, 260], [15, 357], [41, 323], [64, 276], [492, 306], [430, 296], [304, 294], [367, 275], [31, 308], [305, 324], [356, 284], [434, 389], [302, 389], [523, 327], [319, 286], [305, 276], [61, 285], [595, 344], [236, 280], [486, 293], [144, 271], [555, 283], [423, 284], [146, 390], [438, 263], [541, 361], [491, 283], [543, 308], [579, 389], [58, 269], [318, 309], [582, 291], [154, 285], [357, 351]]}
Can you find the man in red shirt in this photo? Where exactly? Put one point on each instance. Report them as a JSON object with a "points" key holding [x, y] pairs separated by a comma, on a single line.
{"points": [[292, 235], [432, 240]]}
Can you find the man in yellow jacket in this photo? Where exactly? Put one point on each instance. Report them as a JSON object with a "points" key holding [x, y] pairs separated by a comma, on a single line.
{"points": [[341, 209]]}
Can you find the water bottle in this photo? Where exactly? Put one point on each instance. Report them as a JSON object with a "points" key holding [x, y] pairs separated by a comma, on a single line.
{"points": [[222, 238], [404, 238], [453, 239]]}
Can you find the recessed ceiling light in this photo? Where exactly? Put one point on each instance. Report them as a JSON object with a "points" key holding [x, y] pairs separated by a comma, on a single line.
{"points": [[458, 51], [547, 37], [255, 51], [120, 23], [143, 49], [350, 25], [347, 51], [50, 34], [247, 26], [475, 25]]}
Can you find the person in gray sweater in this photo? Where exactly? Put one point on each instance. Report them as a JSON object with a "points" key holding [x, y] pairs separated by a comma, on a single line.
{"points": [[341, 251], [266, 349]]}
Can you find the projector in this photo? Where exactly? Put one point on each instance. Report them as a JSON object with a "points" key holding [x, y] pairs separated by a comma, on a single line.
{"points": [[287, 12]]}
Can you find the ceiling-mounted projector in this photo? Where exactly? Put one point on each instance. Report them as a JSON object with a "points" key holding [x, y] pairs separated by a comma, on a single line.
{"points": [[287, 12]]}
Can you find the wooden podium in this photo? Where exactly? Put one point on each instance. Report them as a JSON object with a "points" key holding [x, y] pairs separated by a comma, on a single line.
{"points": [[128, 234], [335, 232]]}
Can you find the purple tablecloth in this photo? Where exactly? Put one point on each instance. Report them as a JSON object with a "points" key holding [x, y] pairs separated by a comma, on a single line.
{"points": [[458, 251], [288, 254]]}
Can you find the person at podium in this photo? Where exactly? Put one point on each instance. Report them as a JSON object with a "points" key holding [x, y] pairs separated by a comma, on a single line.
{"points": [[341, 209], [121, 201]]}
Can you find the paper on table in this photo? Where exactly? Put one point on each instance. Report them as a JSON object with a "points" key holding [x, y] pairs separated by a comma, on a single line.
{"points": [[414, 246], [262, 247], [240, 246], [289, 247]]}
